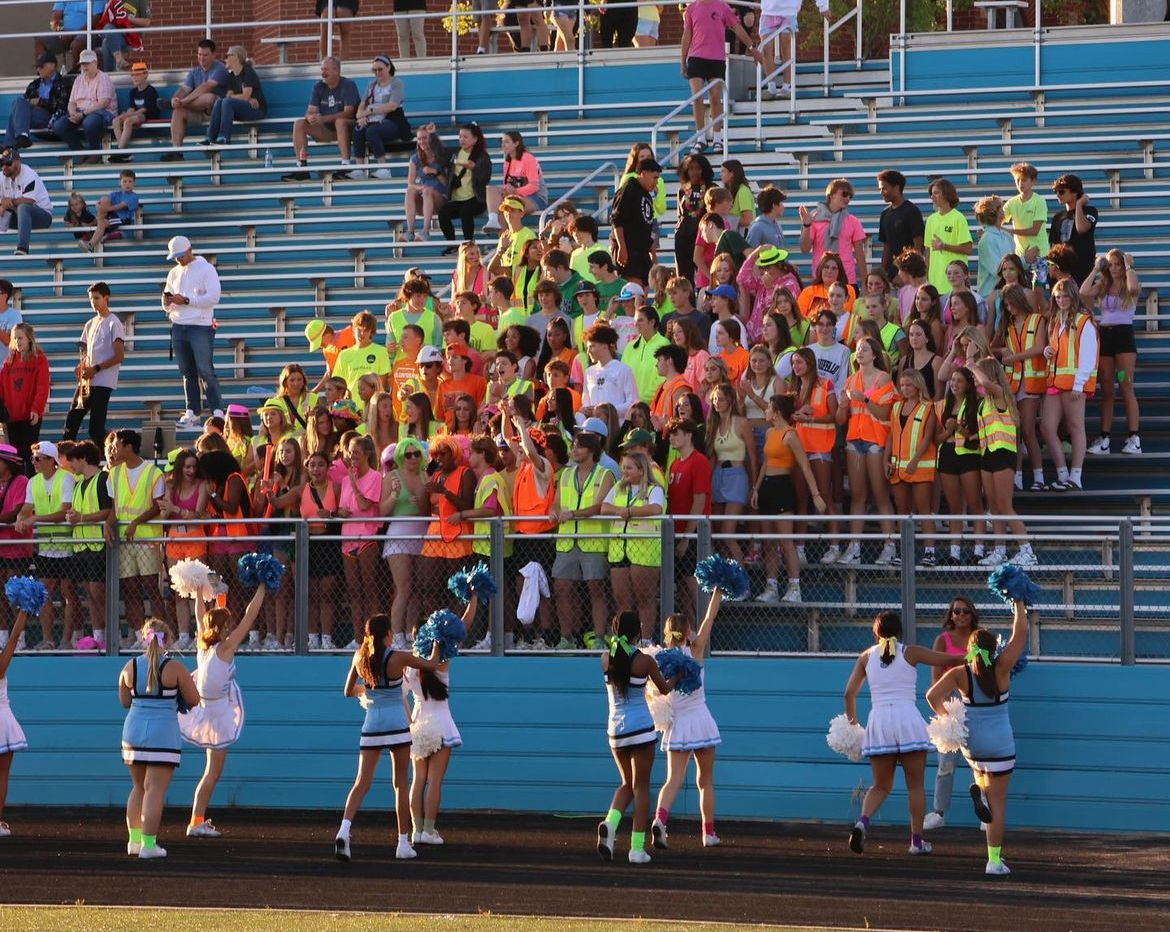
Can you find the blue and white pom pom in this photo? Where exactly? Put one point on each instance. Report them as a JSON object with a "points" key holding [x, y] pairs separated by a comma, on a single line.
{"points": [[445, 627], [26, 594], [189, 578], [674, 660], [845, 737], [478, 579], [260, 568], [1012, 584], [948, 733], [725, 575], [1020, 665]]}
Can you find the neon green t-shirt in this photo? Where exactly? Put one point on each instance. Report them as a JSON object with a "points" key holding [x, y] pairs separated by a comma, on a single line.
{"points": [[1021, 213], [952, 229], [356, 361], [639, 356], [483, 337], [743, 200]]}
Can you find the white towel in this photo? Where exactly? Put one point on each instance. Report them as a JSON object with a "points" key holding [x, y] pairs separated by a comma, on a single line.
{"points": [[535, 586]]}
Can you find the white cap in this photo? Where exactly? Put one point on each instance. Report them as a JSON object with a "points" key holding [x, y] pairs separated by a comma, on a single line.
{"points": [[178, 246], [429, 354], [49, 449], [630, 291], [89, 55]]}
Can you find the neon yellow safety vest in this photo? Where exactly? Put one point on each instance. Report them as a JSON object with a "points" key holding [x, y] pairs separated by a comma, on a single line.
{"points": [[492, 482], [46, 501], [518, 387], [961, 448], [428, 320], [629, 542], [997, 430], [85, 501], [574, 499], [130, 502]]}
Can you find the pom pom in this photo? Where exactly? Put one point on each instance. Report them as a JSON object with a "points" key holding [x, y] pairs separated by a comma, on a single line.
{"points": [[26, 594], [260, 568], [1020, 665], [845, 737], [948, 732], [447, 629], [675, 661], [426, 737], [725, 575], [190, 578], [364, 700], [1012, 584], [660, 707], [478, 580]]}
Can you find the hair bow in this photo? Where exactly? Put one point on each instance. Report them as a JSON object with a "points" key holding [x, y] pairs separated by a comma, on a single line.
{"points": [[159, 636], [612, 641], [890, 642], [981, 652]]}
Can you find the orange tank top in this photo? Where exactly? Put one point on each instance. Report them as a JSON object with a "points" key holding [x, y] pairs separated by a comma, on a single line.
{"points": [[526, 501], [777, 454], [310, 508]]}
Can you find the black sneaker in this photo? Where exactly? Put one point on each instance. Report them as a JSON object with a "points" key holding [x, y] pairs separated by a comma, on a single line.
{"points": [[298, 175], [857, 839], [171, 157], [205, 142], [23, 141], [980, 804], [121, 157]]}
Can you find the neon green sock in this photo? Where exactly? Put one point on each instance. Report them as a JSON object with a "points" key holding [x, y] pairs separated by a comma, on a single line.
{"points": [[149, 841], [614, 818], [993, 853], [135, 835], [637, 841]]}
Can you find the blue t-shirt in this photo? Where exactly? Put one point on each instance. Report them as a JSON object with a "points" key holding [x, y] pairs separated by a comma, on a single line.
{"points": [[765, 230], [126, 203], [217, 73], [74, 15], [329, 100], [9, 319]]}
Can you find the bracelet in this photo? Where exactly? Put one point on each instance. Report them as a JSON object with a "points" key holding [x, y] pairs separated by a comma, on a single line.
{"points": [[806, 225]]}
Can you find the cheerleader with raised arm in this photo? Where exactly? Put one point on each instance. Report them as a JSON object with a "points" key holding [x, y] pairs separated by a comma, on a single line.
{"points": [[375, 678], [631, 733], [691, 732], [11, 735], [151, 686], [895, 732], [435, 735], [990, 748], [215, 724]]}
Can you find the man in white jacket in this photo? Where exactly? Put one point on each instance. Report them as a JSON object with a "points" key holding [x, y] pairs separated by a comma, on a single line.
{"points": [[781, 14], [189, 299]]}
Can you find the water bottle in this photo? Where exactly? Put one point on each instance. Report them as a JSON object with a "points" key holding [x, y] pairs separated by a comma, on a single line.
{"points": [[267, 158]]}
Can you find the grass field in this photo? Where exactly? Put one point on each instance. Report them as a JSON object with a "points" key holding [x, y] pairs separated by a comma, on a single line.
{"points": [[116, 919]]}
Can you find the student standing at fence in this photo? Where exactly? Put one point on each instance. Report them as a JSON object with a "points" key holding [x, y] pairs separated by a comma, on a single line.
{"points": [[88, 511], [360, 501], [635, 547], [958, 458], [404, 493], [912, 455], [47, 499], [228, 498], [319, 500], [1022, 337]]}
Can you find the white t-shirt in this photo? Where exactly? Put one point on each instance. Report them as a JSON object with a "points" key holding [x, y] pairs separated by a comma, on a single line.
{"points": [[66, 498], [99, 336], [613, 383], [26, 184], [832, 364]]}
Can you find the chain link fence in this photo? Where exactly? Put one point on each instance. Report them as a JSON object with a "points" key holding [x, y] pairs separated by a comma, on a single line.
{"points": [[815, 589]]}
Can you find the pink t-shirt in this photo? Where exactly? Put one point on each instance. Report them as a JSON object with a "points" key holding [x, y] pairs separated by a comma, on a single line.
{"points": [[370, 485], [707, 20], [851, 233]]}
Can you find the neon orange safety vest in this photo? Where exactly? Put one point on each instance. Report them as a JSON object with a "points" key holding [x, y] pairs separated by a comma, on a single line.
{"points": [[526, 501], [1062, 369], [663, 406], [904, 442], [862, 424], [1030, 371], [818, 437]]}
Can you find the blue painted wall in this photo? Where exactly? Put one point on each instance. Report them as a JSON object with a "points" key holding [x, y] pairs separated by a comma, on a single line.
{"points": [[1094, 749]]}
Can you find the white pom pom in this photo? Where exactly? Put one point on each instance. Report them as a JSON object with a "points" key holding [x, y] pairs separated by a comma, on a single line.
{"points": [[845, 737], [948, 732], [189, 578], [426, 737], [661, 709], [364, 700]]}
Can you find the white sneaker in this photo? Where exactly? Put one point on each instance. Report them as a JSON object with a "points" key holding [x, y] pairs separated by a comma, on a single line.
{"points": [[711, 841], [492, 225], [1100, 446], [850, 557], [203, 830], [399, 642], [639, 856], [1024, 557], [132, 848], [341, 848], [405, 851], [352, 645], [270, 643], [659, 835], [792, 594], [995, 558], [924, 848], [327, 642], [359, 174], [1018, 482], [314, 642], [485, 644], [539, 644], [184, 642], [382, 173], [288, 642], [45, 645], [428, 838], [770, 595], [832, 555], [188, 421], [1000, 869], [888, 554], [605, 836], [1132, 445], [147, 854], [932, 821], [218, 412]]}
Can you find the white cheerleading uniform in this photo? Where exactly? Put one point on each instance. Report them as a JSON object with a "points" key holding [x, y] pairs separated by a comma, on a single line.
{"points": [[217, 721], [431, 714], [895, 726], [692, 726], [11, 735]]}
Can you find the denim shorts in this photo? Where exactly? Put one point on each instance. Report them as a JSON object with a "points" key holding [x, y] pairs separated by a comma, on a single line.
{"points": [[729, 485], [647, 27], [865, 448]]}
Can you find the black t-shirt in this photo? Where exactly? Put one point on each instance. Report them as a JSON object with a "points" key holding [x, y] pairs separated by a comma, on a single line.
{"points": [[247, 78], [633, 211], [145, 99], [1063, 229], [897, 227]]}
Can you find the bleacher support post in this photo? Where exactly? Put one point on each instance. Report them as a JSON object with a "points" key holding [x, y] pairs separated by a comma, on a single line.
{"points": [[703, 549], [113, 596], [909, 590], [496, 560], [666, 574], [1128, 648], [301, 591]]}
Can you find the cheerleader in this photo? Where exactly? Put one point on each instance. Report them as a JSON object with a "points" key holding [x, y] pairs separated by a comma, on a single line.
{"points": [[375, 678], [991, 748], [895, 732], [631, 733], [215, 724], [432, 714], [691, 731], [150, 686], [11, 735]]}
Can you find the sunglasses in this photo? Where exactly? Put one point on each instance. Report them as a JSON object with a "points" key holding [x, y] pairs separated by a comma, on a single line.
{"points": [[412, 454], [427, 365], [845, 194], [960, 611]]}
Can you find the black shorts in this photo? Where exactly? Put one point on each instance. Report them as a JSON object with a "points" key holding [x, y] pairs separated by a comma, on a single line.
{"points": [[684, 563], [638, 267], [529, 549], [351, 5], [89, 566], [1117, 339], [777, 495], [53, 567], [15, 565], [324, 558], [998, 461], [951, 463], [706, 69]]}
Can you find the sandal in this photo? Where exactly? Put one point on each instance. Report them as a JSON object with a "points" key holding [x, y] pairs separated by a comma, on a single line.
{"points": [[1037, 487]]}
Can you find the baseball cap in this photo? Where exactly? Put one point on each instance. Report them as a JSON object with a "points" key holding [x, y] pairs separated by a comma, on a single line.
{"points": [[771, 255], [178, 246], [417, 272], [314, 330], [429, 354], [457, 349], [49, 449], [511, 203], [345, 407], [171, 457], [594, 425], [638, 436], [586, 287], [500, 442], [630, 291], [723, 291], [139, 67], [8, 155], [88, 57], [45, 59]]}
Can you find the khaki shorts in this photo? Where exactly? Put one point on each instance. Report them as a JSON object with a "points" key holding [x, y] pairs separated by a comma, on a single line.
{"points": [[137, 560]]}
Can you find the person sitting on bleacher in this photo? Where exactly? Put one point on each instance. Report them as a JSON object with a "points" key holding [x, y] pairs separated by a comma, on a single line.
{"points": [[113, 210], [93, 104], [143, 106], [332, 104], [117, 23], [206, 83], [45, 99], [23, 197], [244, 100], [68, 21], [380, 118]]}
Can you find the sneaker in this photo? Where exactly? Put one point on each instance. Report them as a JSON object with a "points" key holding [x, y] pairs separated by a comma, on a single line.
{"points": [[184, 642], [147, 854], [20, 251], [857, 838], [206, 142], [295, 176], [341, 848], [5, 831], [639, 856], [770, 595], [539, 644], [522, 644], [979, 803], [23, 141], [1018, 483], [888, 555], [405, 852], [1024, 558], [352, 645], [792, 594], [222, 141], [485, 644], [924, 848], [995, 558], [932, 821], [188, 421], [45, 645], [327, 642], [566, 644], [132, 848], [832, 555], [711, 841], [492, 225], [929, 559], [605, 835], [203, 830], [288, 642], [314, 642], [851, 556], [171, 157], [358, 174], [270, 643], [1099, 447], [428, 838], [1132, 446], [999, 869], [658, 833], [398, 642], [380, 173]]}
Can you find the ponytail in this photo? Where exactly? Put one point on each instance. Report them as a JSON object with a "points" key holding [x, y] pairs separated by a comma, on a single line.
{"points": [[377, 627], [626, 625], [432, 686], [674, 630], [887, 628], [154, 634], [985, 672]]}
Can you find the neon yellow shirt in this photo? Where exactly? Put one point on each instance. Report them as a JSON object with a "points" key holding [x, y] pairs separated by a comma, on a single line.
{"points": [[1021, 213]]}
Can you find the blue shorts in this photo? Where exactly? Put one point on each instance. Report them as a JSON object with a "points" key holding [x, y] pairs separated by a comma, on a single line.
{"points": [[729, 485], [865, 448]]}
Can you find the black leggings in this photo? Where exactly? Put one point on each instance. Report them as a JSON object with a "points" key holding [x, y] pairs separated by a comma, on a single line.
{"points": [[617, 27], [22, 435], [466, 211]]}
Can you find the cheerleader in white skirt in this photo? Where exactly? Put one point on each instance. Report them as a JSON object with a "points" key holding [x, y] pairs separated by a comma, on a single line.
{"points": [[434, 735], [895, 732], [11, 735], [691, 731], [215, 724]]}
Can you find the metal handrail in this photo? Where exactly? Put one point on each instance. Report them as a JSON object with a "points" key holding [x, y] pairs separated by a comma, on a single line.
{"points": [[577, 187], [701, 93], [830, 28]]}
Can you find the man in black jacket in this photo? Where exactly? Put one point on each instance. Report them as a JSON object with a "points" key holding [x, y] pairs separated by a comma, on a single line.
{"points": [[45, 99]]}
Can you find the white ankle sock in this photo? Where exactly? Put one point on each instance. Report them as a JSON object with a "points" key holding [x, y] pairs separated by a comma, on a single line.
{"points": [[345, 827]]}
